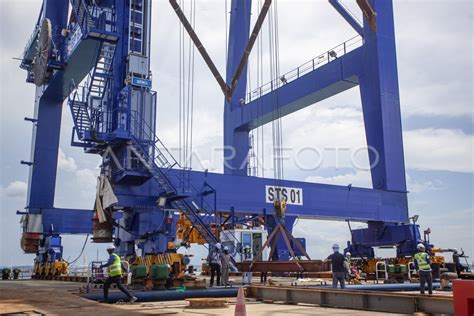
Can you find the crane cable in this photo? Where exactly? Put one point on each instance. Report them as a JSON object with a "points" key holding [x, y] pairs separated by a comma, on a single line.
{"points": [[251, 156], [82, 251], [190, 93], [277, 127], [180, 94], [260, 131], [186, 95]]}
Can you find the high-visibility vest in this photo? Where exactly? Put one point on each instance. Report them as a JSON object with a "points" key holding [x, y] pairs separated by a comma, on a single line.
{"points": [[422, 260], [116, 267]]}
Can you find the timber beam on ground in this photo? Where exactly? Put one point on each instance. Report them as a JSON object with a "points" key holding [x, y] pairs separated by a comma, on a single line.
{"points": [[285, 266], [354, 299]]}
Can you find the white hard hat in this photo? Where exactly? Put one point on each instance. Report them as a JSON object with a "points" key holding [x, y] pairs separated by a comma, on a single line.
{"points": [[420, 246], [111, 247], [348, 254], [218, 246], [226, 248]]}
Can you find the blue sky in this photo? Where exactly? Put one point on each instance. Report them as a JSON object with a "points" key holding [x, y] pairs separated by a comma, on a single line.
{"points": [[435, 58]]}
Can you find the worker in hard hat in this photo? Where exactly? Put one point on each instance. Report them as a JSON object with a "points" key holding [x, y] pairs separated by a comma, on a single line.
{"points": [[115, 268], [457, 261], [337, 265], [16, 273], [214, 261], [423, 265], [225, 266], [247, 256]]}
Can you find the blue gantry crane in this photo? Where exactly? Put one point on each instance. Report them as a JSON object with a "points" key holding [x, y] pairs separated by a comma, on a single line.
{"points": [[95, 56]]}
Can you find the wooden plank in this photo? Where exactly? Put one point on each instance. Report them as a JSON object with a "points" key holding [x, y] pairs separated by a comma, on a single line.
{"points": [[284, 266]]}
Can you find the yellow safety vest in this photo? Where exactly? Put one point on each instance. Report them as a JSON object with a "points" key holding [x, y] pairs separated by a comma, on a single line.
{"points": [[116, 267], [422, 260]]}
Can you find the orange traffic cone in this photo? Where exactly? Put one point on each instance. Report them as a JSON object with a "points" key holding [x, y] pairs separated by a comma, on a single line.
{"points": [[240, 309]]}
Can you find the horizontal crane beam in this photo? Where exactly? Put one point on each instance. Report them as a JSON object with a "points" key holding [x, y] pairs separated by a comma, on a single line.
{"points": [[338, 75], [64, 220], [314, 201]]}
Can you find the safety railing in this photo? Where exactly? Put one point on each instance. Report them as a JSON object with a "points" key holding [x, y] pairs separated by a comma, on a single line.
{"points": [[29, 44], [411, 269], [163, 158], [86, 17], [305, 68], [145, 134]]}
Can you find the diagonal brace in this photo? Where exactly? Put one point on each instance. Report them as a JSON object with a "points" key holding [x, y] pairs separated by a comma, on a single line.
{"points": [[350, 18], [228, 91], [369, 13], [200, 47]]}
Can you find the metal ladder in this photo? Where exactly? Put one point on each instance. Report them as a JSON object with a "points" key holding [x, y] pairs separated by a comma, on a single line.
{"points": [[102, 71], [80, 116], [158, 166], [83, 16], [195, 215]]}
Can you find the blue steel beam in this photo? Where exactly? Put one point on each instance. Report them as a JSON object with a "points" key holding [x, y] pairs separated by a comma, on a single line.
{"points": [[380, 101], [66, 221], [319, 201], [374, 67], [246, 195], [348, 16], [45, 138], [323, 82], [235, 138]]}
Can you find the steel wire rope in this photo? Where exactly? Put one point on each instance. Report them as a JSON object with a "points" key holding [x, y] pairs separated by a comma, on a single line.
{"points": [[82, 251]]}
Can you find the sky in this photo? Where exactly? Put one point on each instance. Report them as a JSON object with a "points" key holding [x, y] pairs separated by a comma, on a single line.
{"points": [[434, 42]]}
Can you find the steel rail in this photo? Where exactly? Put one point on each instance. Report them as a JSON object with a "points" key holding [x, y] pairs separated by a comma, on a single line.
{"points": [[356, 299]]}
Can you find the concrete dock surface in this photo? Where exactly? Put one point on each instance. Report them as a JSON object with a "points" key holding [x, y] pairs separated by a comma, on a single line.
{"points": [[30, 297]]}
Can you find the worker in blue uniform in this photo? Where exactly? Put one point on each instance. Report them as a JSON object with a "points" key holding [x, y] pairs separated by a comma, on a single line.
{"points": [[115, 268], [338, 269], [423, 265]]}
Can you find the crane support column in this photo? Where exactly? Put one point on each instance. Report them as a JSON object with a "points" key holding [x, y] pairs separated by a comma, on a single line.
{"points": [[381, 102], [236, 140], [46, 131]]}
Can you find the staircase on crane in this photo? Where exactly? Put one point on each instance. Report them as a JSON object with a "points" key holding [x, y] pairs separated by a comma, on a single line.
{"points": [[80, 116], [85, 106], [158, 165], [146, 149], [102, 72], [82, 14]]}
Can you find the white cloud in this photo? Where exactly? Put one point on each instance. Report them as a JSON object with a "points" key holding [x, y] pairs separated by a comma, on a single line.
{"points": [[434, 79], [16, 189], [66, 163], [415, 186], [87, 178], [451, 229], [439, 149], [359, 178]]}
